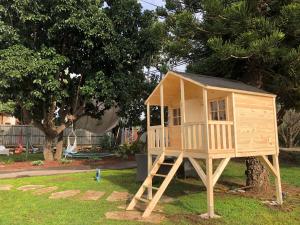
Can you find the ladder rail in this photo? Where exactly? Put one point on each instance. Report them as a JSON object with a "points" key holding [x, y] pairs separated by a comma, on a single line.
{"points": [[142, 189], [163, 186]]}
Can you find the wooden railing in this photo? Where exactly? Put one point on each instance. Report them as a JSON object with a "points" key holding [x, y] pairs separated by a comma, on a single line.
{"points": [[221, 135], [155, 137], [172, 137], [193, 136]]}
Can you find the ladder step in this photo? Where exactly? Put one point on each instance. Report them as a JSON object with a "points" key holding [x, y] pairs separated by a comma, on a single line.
{"points": [[159, 175], [167, 164], [154, 188], [142, 199]]}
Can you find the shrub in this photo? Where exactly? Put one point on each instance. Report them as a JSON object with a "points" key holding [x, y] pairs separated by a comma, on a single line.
{"points": [[65, 161], [37, 163], [126, 150]]}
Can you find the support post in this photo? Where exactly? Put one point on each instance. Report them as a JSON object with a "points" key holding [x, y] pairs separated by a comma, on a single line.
{"points": [[162, 117], [205, 112], [182, 112], [149, 191], [210, 188], [277, 180]]}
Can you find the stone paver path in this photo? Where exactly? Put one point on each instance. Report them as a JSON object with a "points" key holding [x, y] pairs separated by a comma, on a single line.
{"points": [[135, 216], [5, 187], [92, 195], [29, 187], [64, 194], [45, 190], [118, 196]]}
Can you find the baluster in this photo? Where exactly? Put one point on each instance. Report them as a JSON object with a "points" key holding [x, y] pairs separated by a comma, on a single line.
{"points": [[212, 136], [218, 131], [224, 139], [229, 135]]}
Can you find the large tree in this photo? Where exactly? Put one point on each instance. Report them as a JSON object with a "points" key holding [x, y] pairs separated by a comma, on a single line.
{"points": [[255, 41], [60, 60]]}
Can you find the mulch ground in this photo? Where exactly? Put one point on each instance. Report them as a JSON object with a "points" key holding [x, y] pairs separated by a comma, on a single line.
{"points": [[75, 164]]}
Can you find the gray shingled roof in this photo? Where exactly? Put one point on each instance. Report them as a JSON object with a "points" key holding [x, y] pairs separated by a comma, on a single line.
{"points": [[221, 82]]}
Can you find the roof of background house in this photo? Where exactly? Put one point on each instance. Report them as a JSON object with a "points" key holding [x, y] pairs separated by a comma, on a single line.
{"points": [[221, 82]]}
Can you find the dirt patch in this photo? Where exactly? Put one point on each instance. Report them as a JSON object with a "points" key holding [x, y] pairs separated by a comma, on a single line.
{"points": [[134, 216], [75, 164], [92, 195], [45, 190], [192, 219], [30, 187], [118, 196], [64, 194], [5, 187], [141, 207]]}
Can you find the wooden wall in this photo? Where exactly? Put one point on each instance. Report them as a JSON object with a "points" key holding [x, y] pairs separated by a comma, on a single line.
{"points": [[255, 124]]}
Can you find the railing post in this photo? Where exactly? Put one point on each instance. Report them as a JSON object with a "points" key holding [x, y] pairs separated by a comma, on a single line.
{"points": [[182, 112], [162, 117], [205, 112]]}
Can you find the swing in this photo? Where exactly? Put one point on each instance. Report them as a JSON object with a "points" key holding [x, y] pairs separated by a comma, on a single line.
{"points": [[71, 148]]}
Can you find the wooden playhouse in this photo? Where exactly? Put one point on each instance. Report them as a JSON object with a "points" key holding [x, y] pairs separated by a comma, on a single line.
{"points": [[203, 117]]}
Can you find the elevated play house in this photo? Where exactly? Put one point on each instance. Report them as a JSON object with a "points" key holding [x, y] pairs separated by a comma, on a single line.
{"points": [[203, 117]]}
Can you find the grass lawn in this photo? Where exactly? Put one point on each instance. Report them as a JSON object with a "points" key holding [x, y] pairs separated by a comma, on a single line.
{"points": [[24, 208]]}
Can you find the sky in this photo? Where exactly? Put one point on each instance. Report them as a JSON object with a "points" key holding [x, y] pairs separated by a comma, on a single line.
{"points": [[151, 4]]}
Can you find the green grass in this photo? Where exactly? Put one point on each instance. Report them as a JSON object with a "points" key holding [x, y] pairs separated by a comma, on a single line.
{"points": [[21, 157], [24, 208]]}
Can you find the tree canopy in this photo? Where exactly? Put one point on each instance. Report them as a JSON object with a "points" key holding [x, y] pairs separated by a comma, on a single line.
{"points": [[255, 41], [60, 60]]}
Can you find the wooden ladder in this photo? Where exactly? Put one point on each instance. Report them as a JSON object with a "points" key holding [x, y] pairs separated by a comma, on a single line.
{"points": [[151, 203]]}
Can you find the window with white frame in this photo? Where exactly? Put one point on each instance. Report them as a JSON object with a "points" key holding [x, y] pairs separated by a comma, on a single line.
{"points": [[176, 116], [218, 109]]}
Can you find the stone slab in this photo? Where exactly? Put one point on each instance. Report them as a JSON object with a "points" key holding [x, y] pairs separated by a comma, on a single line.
{"points": [[118, 196], [30, 187], [92, 195], [135, 216], [64, 194], [45, 190]]}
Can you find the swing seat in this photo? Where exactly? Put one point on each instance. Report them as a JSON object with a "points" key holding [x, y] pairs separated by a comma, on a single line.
{"points": [[71, 148]]}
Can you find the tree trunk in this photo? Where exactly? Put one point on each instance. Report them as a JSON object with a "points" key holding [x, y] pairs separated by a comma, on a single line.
{"points": [[48, 154], [257, 175], [59, 146]]}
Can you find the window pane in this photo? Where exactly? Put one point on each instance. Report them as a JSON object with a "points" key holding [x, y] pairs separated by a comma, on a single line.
{"points": [[178, 112], [214, 115], [222, 115], [214, 106], [175, 121], [222, 105], [174, 112]]}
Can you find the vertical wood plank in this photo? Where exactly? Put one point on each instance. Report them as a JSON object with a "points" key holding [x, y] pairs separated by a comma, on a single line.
{"points": [[234, 124], [229, 136], [149, 191], [210, 188], [148, 125], [224, 136], [195, 146], [162, 117], [218, 134], [277, 179], [212, 136], [275, 126], [182, 111], [205, 114], [189, 137]]}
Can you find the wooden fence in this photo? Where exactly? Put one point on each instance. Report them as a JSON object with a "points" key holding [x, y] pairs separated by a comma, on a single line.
{"points": [[12, 135]]}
